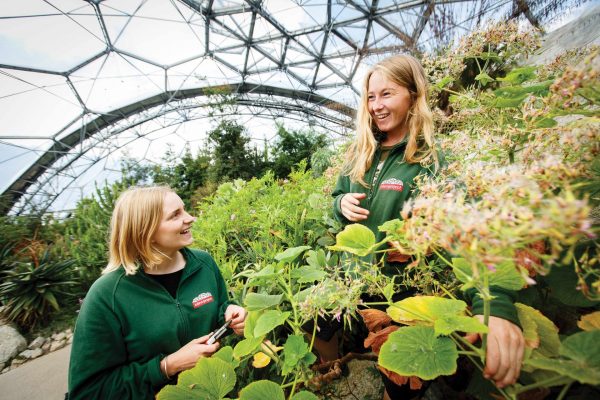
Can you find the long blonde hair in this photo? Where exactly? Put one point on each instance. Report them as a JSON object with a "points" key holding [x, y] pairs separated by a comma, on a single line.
{"points": [[135, 219], [405, 71]]}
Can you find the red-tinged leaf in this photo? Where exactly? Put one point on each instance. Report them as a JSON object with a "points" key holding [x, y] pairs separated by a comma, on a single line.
{"points": [[376, 339], [415, 382], [375, 320]]}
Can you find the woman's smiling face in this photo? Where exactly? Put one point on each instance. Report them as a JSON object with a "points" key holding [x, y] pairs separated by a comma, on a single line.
{"points": [[388, 105], [174, 231]]}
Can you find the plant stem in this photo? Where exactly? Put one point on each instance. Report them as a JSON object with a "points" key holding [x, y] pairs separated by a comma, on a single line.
{"points": [[314, 333], [564, 391], [546, 382], [293, 387]]}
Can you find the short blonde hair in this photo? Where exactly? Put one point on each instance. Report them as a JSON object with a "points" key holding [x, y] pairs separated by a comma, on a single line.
{"points": [[135, 219], [406, 71]]}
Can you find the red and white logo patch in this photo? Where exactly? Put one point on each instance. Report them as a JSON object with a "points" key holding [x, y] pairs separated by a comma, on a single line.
{"points": [[202, 299], [392, 184]]}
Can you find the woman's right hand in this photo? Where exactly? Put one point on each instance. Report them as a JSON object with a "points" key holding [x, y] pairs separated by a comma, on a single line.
{"points": [[350, 207], [187, 356]]}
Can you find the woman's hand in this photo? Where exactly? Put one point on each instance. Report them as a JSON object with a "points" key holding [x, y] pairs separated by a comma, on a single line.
{"points": [[504, 351], [187, 356], [350, 208], [237, 315]]}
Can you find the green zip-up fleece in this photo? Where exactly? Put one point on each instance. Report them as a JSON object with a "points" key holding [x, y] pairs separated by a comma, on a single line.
{"points": [[385, 199], [128, 323]]}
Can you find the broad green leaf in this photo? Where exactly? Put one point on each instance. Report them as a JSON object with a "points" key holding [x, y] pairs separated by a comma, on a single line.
{"points": [[484, 78], [260, 301], [316, 259], [583, 347], [172, 392], [262, 390], [445, 81], [391, 226], [246, 346], [294, 349], [452, 323], [308, 274], [356, 239], [291, 254], [520, 75], [425, 309], [269, 321], [304, 395], [303, 294], [545, 330], [506, 276], [250, 323], [463, 271], [567, 368], [581, 358], [590, 322], [562, 282], [226, 354], [415, 350], [545, 123], [211, 375]]}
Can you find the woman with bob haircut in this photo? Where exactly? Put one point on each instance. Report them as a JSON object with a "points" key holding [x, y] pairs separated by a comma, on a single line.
{"points": [[394, 144], [149, 316]]}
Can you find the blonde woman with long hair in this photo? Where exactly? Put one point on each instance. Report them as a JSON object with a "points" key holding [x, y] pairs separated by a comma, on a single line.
{"points": [[149, 316], [394, 144]]}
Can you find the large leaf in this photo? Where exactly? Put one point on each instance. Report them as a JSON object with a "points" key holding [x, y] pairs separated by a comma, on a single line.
{"points": [[545, 337], [269, 321], [356, 239], [212, 376], [590, 322], [262, 390], [304, 395], [415, 350], [308, 274], [446, 315], [172, 392], [504, 275], [581, 358], [261, 301], [246, 346], [291, 254], [425, 309], [250, 323], [226, 354], [295, 350]]}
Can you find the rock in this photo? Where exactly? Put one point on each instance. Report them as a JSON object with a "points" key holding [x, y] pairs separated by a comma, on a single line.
{"points": [[563, 120], [46, 346], [69, 332], [57, 337], [16, 362], [6, 369], [70, 339], [11, 343], [31, 354], [37, 343], [2, 365], [58, 345], [362, 381]]}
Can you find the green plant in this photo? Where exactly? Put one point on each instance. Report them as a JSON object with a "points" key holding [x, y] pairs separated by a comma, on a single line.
{"points": [[30, 291]]}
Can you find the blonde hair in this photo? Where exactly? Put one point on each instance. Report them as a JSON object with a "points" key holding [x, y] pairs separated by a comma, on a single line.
{"points": [[135, 219], [405, 71]]}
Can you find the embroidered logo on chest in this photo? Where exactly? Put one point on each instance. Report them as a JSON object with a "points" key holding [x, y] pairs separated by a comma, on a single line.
{"points": [[392, 184], [202, 299]]}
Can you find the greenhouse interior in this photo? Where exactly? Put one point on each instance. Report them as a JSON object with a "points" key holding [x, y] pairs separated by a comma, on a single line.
{"points": [[300, 199]]}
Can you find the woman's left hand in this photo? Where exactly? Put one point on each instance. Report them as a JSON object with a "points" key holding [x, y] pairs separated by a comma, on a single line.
{"points": [[237, 315], [504, 351]]}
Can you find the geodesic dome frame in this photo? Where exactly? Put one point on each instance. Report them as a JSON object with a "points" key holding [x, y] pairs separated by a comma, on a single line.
{"points": [[125, 71]]}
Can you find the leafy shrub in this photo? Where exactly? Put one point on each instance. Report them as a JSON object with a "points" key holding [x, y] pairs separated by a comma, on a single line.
{"points": [[30, 291]]}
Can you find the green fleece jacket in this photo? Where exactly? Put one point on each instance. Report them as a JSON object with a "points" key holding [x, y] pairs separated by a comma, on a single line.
{"points": [[128, 323], [386, 196]]}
